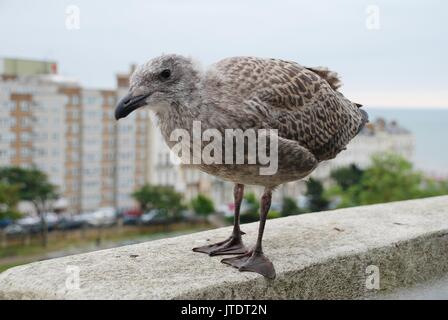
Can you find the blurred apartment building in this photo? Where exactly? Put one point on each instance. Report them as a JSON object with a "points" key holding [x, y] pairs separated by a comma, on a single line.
{"points": [[52, 122]]}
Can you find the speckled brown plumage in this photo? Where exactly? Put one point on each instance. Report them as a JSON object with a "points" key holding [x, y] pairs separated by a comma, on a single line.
{"points": [[283, 95], [314, 122]]}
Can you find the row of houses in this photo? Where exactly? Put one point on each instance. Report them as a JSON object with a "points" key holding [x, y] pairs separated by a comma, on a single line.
{"points": [[68, 131]]}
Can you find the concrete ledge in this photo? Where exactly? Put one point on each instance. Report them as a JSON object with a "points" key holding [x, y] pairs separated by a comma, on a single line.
{"points": [[318, 255]]}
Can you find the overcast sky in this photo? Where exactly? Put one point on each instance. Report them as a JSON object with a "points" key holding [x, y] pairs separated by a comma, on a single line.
{"points": [[403, 63]]}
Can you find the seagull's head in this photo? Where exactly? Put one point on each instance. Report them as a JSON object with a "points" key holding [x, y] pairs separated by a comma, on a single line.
{"points": [[160, 83]]}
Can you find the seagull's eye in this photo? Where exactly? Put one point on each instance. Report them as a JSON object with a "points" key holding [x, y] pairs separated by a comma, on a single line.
{"points": [[165, 74]]}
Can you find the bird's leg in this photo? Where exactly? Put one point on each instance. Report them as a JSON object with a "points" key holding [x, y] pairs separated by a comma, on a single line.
{"points": [[233, 244], [255, 260]]}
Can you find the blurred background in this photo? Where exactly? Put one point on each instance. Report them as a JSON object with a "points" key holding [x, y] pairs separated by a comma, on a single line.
{"points": [[73, 180]]}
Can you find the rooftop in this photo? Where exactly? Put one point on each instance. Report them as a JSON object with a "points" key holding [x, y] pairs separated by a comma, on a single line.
{"points": [[381, 125]]}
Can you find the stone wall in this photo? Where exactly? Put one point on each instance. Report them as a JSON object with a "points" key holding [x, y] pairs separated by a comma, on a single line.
{"points": [[334, 254]]}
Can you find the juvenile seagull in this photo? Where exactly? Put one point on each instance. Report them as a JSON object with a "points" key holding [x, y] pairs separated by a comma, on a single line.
{"points": [[314, 122]]}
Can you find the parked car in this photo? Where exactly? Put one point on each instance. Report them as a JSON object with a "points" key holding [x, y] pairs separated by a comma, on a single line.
{"points": [[32, 224], [155, 216], [101, 217], [52, 220], [14, 229], [70, 223], [131, 220], [28, 221], [5, 222], [134, 212], [132, 216]]}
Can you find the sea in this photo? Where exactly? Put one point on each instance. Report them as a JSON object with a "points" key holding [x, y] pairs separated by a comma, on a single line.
{"points": [[430, 128]]}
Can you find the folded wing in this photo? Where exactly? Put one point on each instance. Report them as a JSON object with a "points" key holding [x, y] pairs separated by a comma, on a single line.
{"points": [[302, 103]]}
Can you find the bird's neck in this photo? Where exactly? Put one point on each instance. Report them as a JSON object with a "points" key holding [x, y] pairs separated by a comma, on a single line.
{"points": [[183, 111], [178, 116]]}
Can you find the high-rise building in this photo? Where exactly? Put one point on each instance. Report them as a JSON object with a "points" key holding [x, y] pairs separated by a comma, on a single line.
{"points": [[69, 132]]}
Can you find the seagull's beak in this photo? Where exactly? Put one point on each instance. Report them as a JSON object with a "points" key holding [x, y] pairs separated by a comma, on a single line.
{"points": [[128, 104]]}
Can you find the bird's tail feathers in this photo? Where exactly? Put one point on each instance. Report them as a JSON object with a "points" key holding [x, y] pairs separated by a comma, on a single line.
{"points": [[330, 76]]}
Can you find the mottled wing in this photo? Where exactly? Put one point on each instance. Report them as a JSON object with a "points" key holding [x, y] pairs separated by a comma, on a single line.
{"points": [[300, 103]]}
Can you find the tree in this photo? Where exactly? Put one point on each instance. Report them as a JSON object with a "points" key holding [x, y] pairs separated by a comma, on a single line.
{"points": [[32, 185], [9, 197], [348, 176], [315, 195], [390, 177], [289, 207], [159, 197], [433, 188], [202, 205]]}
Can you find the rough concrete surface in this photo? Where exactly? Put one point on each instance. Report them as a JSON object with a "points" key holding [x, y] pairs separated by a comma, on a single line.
{"points": [[317, 256]]}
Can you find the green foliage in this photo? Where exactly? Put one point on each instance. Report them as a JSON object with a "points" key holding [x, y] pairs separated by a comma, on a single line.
{"points": [[273, 214], [9, 197], [432, 188], [32, 185], [346, 177], [252, 202], [317, 200], [159, 197], [251, 213], [289, 207], [202, 205], [389, 178]]}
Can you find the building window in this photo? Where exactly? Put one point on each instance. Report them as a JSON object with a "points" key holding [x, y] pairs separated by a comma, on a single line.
{"points": [[25, 152], [24, 106], [75, 99], [25, 136], [74, 128], [90, 100], [24, 122]]}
